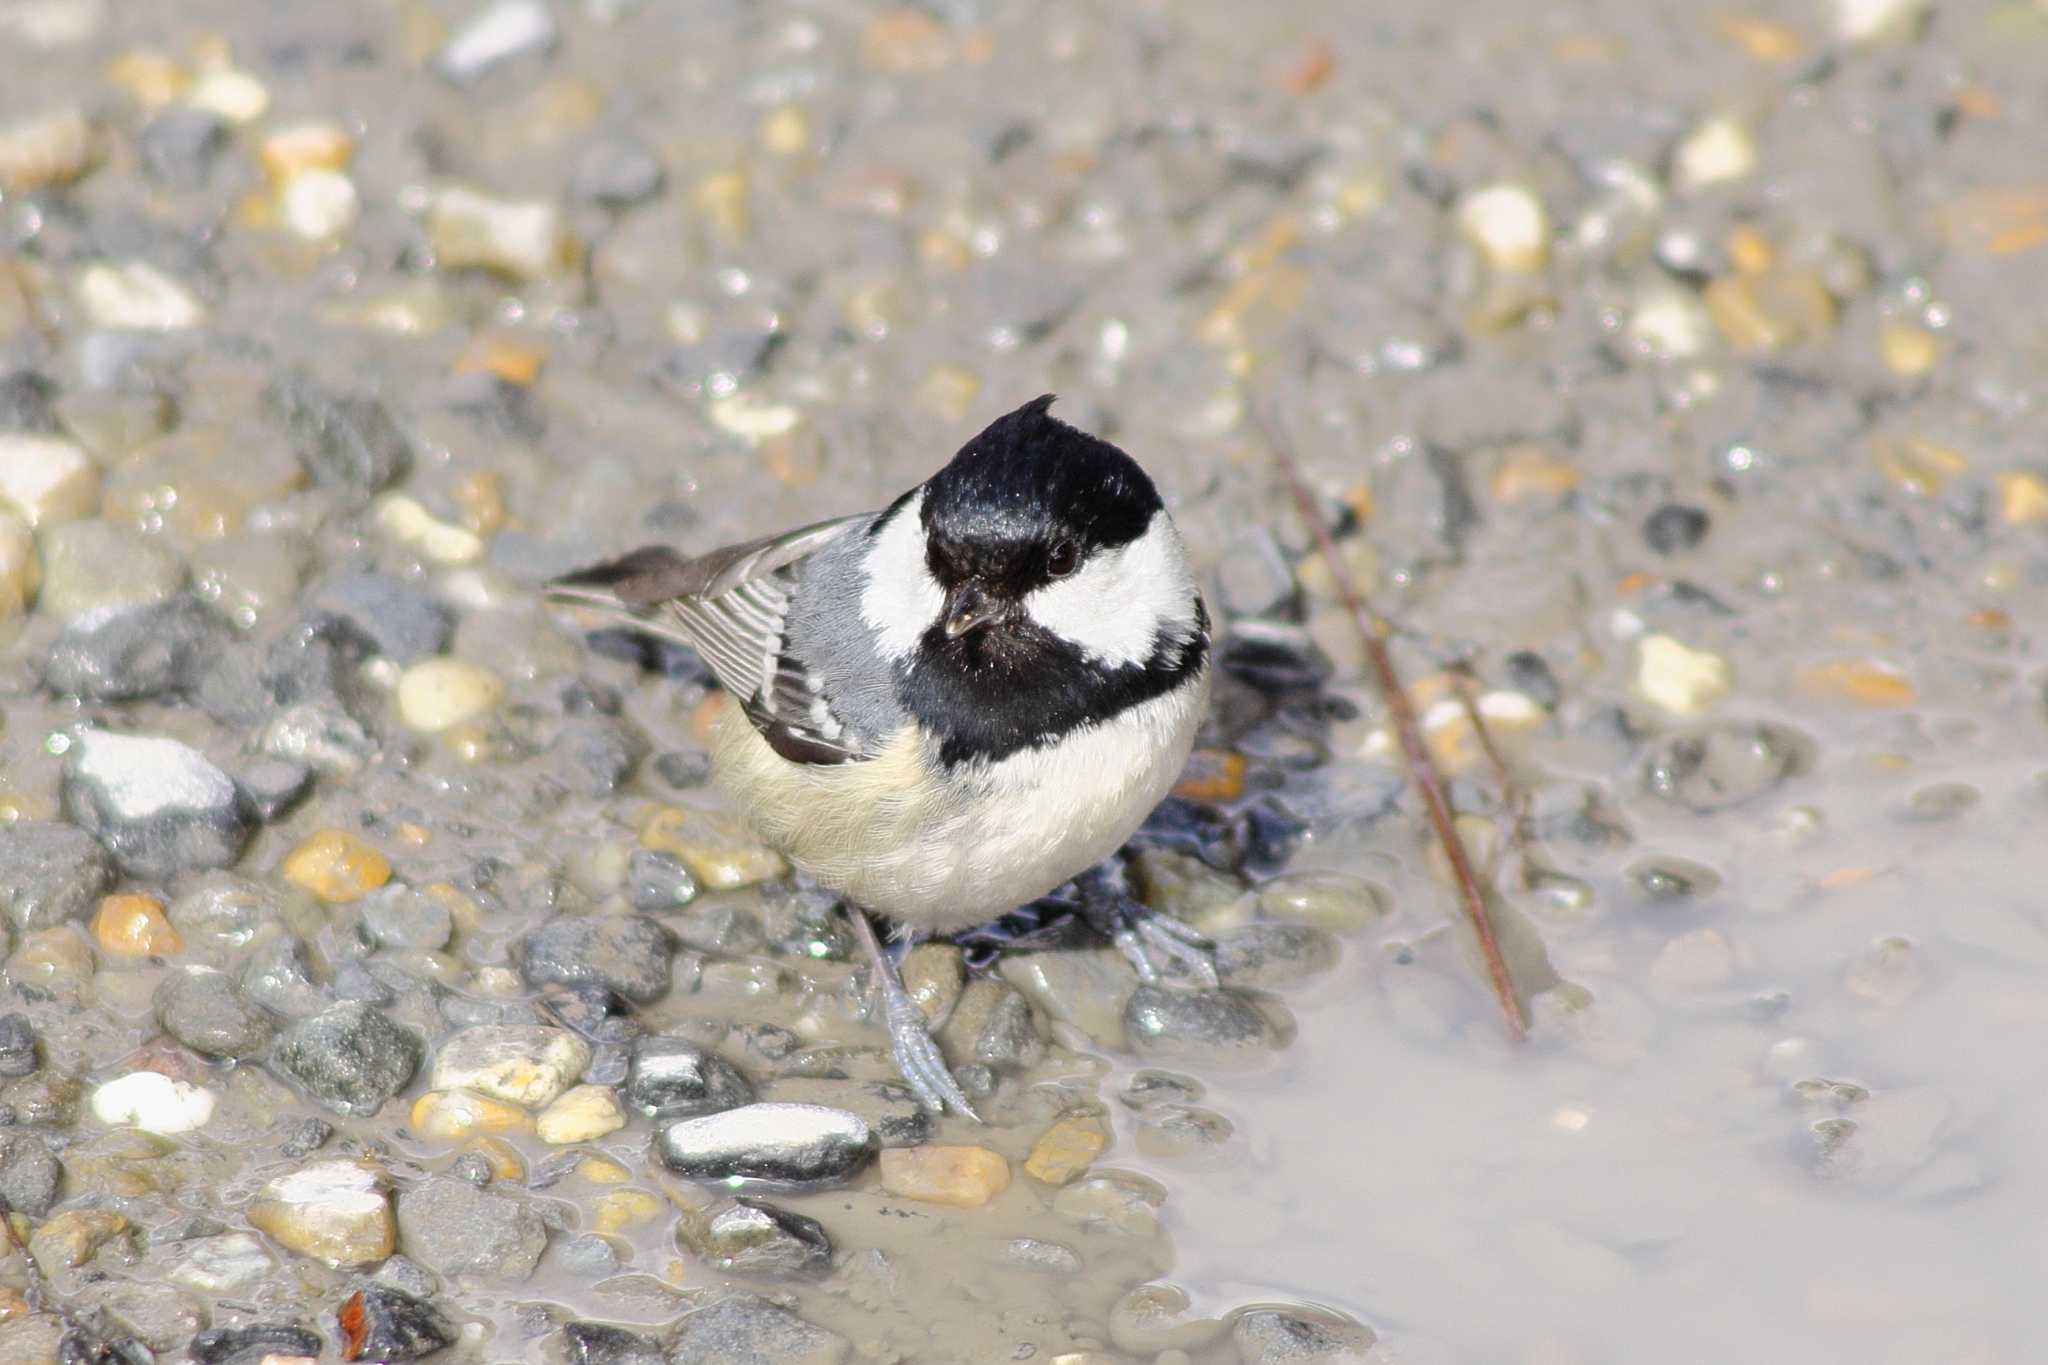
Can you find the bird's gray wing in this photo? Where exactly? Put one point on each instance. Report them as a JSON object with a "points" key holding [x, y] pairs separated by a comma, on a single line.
{"points": [[731, 605]]}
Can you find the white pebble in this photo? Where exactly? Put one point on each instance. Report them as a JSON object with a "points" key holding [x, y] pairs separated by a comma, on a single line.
{"points": [[1670, 322], [1683, 681], [524, 238], [754, 419], [438, 693], [137, 297], [232, 93], [1717, 151], [509, 29], [436, 540], [47, 479], [1864, 21], [1509, 226], [49, 149], [51, 24], [318, 205], [19, 569], [153, 1102]]}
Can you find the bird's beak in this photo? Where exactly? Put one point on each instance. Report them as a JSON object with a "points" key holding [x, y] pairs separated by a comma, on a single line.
{"points": [[967, 608]]}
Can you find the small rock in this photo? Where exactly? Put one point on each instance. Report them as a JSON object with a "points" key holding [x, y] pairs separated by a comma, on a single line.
{"points": [[279, 977], [437, 694], [91, 566], [134, 927], [1719, 150], [230, 92], [231, 1263], [454, 1114], [18, 1050], [158, 806], [1170, 1131], [47, 479], [890, 1108], [793, 1145], [1721, 768], [457, 1229], [275, 1343], [521, 238], [629, 954], [336, 1212], [504, 32], [655, 881], [675, 1078], [134, 296], [349, 1057], [157, 1316], [343, 440], [526, 1065], [1871, 21], [153, 1102], [438, 542], [1683, 681], [719, 851], [29, 1173], [745, 1330], [397, 916], [593, 756], [1506, 221], [963, 1177], [583, 1112], [52, 148], [1669, 322], [933, 976], [600, 1343], [50, 873], [136, 652], [1299, 1336], [1066, 1150], [1674, 528], [319, 205], [992, 1025], [74, 1237], [299, 147], [753, 1237], [180, 146], [203, 1009], [1216, 1026], [616, 171], [336, 866], [1040, 1257], [382, 1324], [1085, 989], [1269, 953], [27, 402], [398, 620], [1159, 1317]]}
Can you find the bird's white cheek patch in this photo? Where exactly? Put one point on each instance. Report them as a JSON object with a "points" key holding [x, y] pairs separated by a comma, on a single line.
{"points": [[1119, 603], [901, 601]]}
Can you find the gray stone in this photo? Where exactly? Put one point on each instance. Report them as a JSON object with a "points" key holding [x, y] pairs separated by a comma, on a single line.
{"points": [[27, 402], [1272, 953], [323, 736], [1722, 767], [181, 145], [230, 1263], [1040, 1257], [503, 32], [396, 618], [349, 1057], [630, 954], [890, 1108], [221, 914], [50, 873], [344, 440], [992, 1024], [396, 916], [274, 785], [1085, 989], [29, 1173], [753, 1237], [157, 1315], [203, 1009], [592, 756], [18, 1050], [600, 1343], [657, 881], [455, 1228], [675, 1078], [1214, 1026], [615, 171], [160, 807], [796, 1146], [138, 652], [395, 1325], [1299, 1336], [91, 567], [249, 1345], [746, 1330]]}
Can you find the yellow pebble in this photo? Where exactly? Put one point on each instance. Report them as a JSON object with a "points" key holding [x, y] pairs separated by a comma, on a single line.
{"points": [[600, 1170], [306, 147], [1908, 350], [720, 853], [506, 1163], [460, 1114], [2022, 498], [1861, 681], [134, 926], [623, 1208], [337, 867], [1066, 1149], [581, 1113], [964, 1177]]}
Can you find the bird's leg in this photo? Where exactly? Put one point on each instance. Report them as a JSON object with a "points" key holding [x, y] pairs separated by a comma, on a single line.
{"points": [[910, 1039], [1151, 940]]}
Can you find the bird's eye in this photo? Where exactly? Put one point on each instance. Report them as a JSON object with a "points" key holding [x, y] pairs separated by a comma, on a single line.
{"points": [[1063, 559]]}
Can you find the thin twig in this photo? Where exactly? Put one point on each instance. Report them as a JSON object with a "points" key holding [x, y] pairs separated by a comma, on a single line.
{"points": [[1372, 632]]}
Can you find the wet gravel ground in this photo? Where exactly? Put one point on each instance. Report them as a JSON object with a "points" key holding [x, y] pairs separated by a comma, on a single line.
{"points": [[381, 981]]}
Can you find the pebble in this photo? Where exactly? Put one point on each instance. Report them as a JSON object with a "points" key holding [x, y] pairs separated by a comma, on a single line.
{"points": [[438, 542], [593, 756], [961, 1177], [1675, 528], [135, 927], [1299, 1336], [1669, 322], [745, 1330], [1722, 767], [616, 171], [134, 296], [1682, 680], [319, 205], [1065, 1151], [230, 92], [73, 1237], [1871, 21], [19, 1054], [451, 1114], [629, 954], [454, 1228], [1176, 1131], [153, 1102], [1717, 151], [992, 1025], [503, 32], [1218, 1027], [342, 439], [397, 619], [159, 807], [202, 1008], [1508, 224], [47, 479], [29, 1173], [790, 1145], [890, 1108], [527, 1065], [230, 1264], [721, 853], [1335, 902], [524, 239], [134, 652], [675, 1078], [349, 1057], [50, 873], [438, 694], [157, 1317], [21, 573], [582, 1113], [755, 1238], [1085, 989], [933, 976], [1159, 1317], [259, 1344], [336, 1212], [385, 1324], [92, 566], [336, 866], [599, 1343], [181, 146], [397, 916], [50, 148], [300, 147]]}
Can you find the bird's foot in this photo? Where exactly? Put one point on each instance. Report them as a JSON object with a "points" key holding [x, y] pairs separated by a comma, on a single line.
{"points": [[910, 1040], [1157, 945]]}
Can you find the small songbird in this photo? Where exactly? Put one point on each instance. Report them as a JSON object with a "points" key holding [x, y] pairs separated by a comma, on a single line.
{"points": [[952, 707]]}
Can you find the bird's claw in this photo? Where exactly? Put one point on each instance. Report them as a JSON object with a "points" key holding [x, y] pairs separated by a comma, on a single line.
{"points": [[917, 1054], [1155, 944]]}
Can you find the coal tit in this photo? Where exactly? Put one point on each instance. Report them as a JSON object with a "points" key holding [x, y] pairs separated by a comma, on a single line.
{"points": [[951, 707]]}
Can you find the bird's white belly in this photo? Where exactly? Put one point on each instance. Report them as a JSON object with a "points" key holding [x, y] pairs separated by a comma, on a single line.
{"points": [[902, 836]]}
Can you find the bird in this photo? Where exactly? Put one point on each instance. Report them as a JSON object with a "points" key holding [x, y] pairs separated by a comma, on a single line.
{"points": [[954, 706]]}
